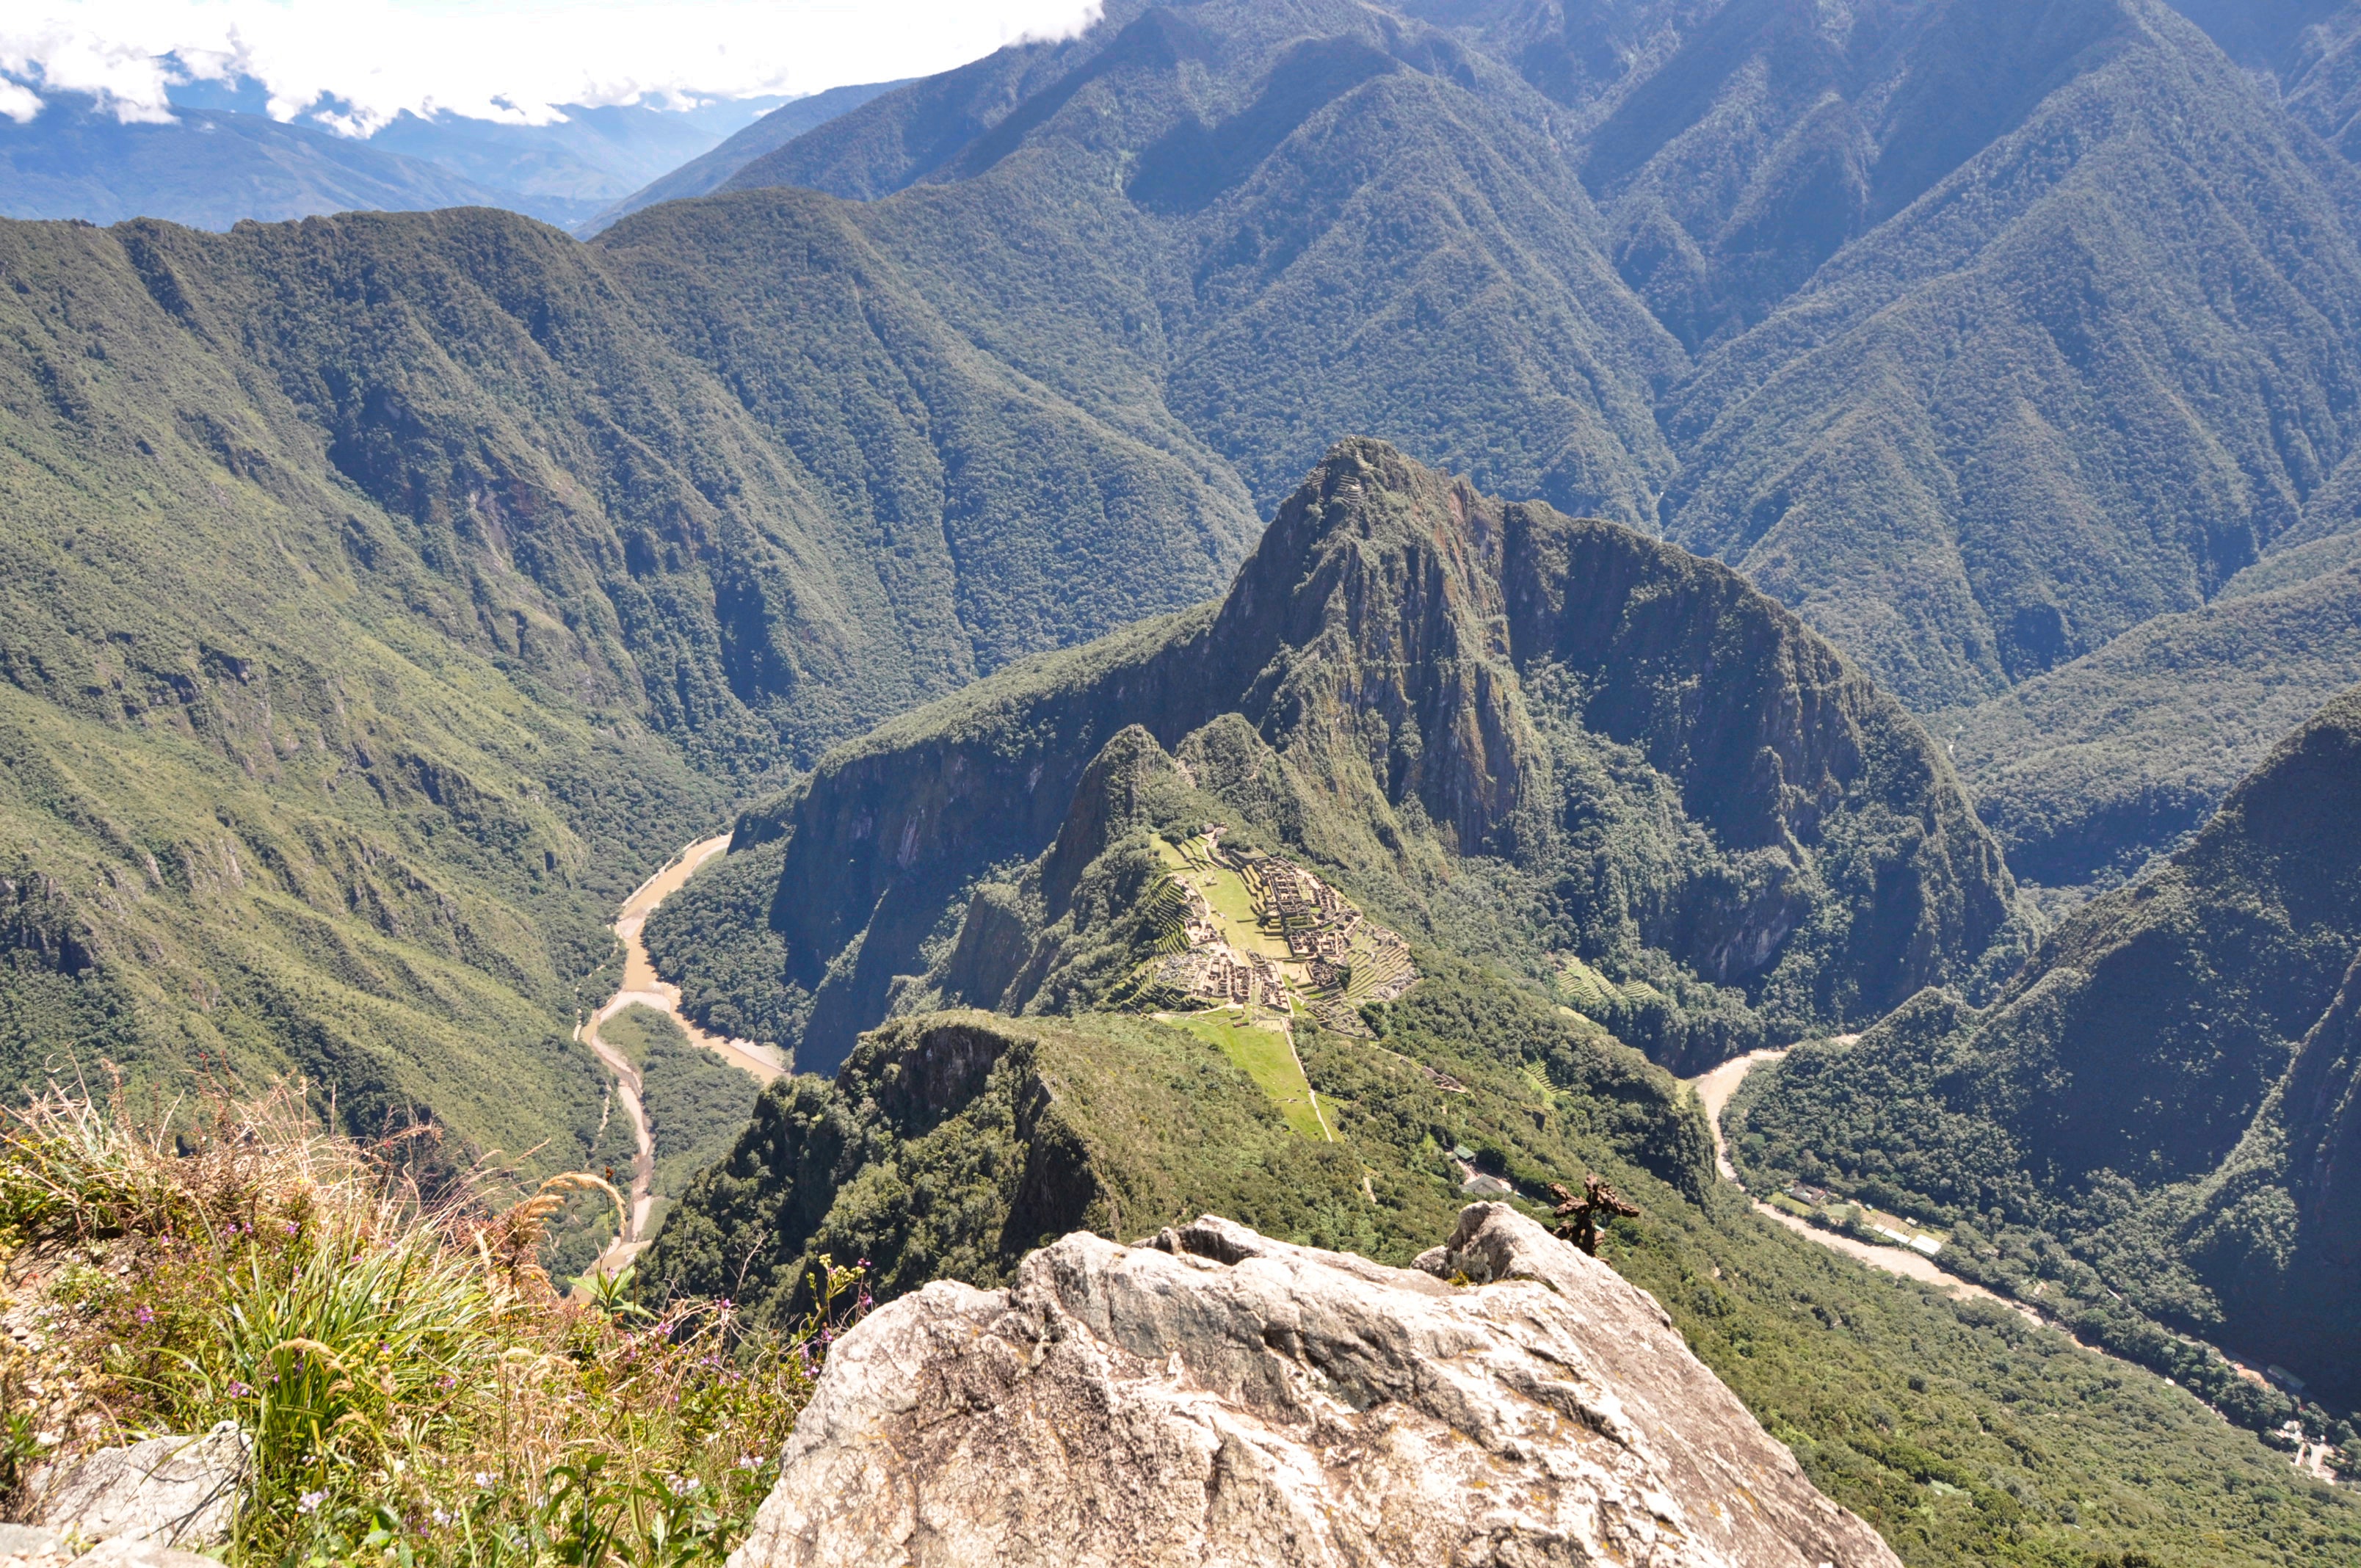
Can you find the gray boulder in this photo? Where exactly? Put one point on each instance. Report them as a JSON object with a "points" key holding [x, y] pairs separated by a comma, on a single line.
{"points": [[23, 1546], [1214, 1397], [165, 1491]]}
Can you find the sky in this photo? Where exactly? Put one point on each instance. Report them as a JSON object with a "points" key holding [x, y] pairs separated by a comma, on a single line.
{"points": [[358, 63]]}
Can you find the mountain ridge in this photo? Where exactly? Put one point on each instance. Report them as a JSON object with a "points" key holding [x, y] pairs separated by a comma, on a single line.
{"points": [[2161, 1089], [1426, 677]]}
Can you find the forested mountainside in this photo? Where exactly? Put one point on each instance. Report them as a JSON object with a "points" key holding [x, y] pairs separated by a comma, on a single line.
{"points": [[2088, 771], [2306, 45], [1587, 755], [1028, 356], [1995, 275], [2166, 1089], [951, 1142], [385, 595]]}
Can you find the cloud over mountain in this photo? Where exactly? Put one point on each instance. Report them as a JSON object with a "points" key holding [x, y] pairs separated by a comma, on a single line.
{"points": [[356, 64]]}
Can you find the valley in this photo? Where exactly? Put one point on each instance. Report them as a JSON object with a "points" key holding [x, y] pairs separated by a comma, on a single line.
{"points": [[1714, 1091], [643, 988], [1732, 625], [1889, 1254]]}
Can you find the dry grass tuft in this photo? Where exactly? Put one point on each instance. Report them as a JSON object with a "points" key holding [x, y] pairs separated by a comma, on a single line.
{"points": [[416, 1389]]}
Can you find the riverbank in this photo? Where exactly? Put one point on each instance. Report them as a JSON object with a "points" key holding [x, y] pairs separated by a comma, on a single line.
{"points": [[642, 986]]}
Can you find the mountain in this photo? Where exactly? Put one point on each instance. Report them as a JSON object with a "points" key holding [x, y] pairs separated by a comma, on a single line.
{"points": [[949, 1142], [2088, 771], [387, 595], [221, 159], [567, 172], [209, 169], [2058, 293], [2040, 374], [1427, 230], [2306, 45], [1555, 741], [1272, 226], [1025, 351], [707, 171], [2163, 1089]]}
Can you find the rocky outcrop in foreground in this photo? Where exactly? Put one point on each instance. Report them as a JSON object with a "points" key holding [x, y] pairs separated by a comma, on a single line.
{"points": [[1215, 1397]]}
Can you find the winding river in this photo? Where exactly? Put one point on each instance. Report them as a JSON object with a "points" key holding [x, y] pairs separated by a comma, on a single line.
{"points": [[642, 986]]}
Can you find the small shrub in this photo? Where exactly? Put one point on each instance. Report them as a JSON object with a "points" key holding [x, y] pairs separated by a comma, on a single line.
{"points": [[416, 1390]]}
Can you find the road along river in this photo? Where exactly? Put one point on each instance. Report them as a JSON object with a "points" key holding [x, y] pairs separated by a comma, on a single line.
{"points": [[1714, 1091], [642, 986]]}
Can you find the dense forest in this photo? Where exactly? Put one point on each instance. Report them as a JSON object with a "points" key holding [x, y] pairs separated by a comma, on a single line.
{"points": [[1671, 528]]}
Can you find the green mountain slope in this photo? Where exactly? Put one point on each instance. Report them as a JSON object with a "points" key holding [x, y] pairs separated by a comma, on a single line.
{"points": [[1548, 740], [2162, 1089], [279, 795], [2056, 294], [1274, 225], [950, 1141], [387, 595], [2090, 769], [2041, 377]]}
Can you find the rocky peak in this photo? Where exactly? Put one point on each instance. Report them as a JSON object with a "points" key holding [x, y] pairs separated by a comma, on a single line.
{"points": [[1412, 672], [1110, 799], [1214, 1396], [1370, 625]]}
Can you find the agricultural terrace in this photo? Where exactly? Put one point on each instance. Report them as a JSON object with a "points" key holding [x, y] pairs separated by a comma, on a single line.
{"points": [[1260, 931]]}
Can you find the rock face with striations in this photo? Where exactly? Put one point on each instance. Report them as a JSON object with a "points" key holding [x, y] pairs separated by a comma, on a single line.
{"points": [[1215, 1397]]}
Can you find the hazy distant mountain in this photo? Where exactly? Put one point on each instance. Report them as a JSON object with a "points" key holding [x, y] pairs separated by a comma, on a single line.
{"points": [[708, 171], [209, 169], [578, 165], [222, 160]]}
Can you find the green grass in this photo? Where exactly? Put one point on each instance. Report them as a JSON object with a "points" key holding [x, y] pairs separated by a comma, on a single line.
{"points": [[1261, 1052], [1226, 890], [413, 1386], [1887, 1392]]}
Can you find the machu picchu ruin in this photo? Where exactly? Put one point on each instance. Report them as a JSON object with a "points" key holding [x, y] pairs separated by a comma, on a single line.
{"points": [[1248, 929]]}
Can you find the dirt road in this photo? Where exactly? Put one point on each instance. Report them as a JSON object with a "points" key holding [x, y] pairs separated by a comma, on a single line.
{"points": [[1714, 1091], [642, 986]]}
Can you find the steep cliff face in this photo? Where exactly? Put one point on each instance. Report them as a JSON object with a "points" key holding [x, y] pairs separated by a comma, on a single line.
{"points": [[1234, 1398], [1409, 679]]}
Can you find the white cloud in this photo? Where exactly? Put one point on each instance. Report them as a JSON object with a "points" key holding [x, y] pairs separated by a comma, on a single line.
{"points": [[360, 63], [19, 104]]}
